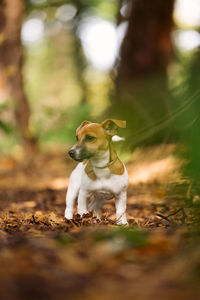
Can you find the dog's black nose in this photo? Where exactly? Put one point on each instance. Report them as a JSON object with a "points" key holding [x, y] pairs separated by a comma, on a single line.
{"points": [[72, 153]]}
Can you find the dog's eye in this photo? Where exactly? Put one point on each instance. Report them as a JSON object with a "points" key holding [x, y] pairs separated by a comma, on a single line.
{"points": [[90, 138]]}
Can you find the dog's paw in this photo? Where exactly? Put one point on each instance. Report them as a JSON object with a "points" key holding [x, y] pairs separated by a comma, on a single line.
{"points": [[96, 215], [82, 212], [122, 222], [68, 214]]}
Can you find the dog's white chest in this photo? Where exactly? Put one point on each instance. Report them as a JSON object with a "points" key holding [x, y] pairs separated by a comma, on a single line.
{"points": [[105, 182]]}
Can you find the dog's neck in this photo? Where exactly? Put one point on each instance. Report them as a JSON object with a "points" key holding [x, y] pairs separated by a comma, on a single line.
{"points": [[104, 164], [101, 160]]}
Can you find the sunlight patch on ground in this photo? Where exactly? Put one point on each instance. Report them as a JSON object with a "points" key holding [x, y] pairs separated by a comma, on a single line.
{"points": [[59, 183], [155, 171], [157, 164]]}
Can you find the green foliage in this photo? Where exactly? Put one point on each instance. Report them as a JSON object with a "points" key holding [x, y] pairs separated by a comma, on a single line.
{"points": [[64, 130], [64, 239], [106, 8], [3, 106], [187, 128], [4, 126], [188, 123], [130, 236]]}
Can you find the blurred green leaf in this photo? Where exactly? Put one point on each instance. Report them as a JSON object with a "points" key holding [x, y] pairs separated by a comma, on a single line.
{"points": [[64, 239], [63, 130], [3, 106], [132, 237], [5, 127]]}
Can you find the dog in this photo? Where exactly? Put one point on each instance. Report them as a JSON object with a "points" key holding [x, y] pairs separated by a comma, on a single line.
{"points": [[100, 172]]}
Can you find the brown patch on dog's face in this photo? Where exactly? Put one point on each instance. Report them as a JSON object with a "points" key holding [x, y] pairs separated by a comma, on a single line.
{"points": [[116, 168], [93, 137], [91, 141]]}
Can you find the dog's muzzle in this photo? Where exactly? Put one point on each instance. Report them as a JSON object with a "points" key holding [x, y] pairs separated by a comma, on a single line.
{"points": [[79, 153]]}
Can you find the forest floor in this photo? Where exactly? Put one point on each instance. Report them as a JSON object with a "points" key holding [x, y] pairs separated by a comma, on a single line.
{"points": [[43, 256]]}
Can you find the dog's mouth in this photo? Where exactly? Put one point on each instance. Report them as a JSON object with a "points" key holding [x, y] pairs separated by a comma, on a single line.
{"points": [[79, 154], [79, 159]]}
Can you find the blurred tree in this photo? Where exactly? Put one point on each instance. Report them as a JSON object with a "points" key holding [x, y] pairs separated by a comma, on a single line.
{"points": [[79, 59], [11, 61], [147, 46], [145, 53]]}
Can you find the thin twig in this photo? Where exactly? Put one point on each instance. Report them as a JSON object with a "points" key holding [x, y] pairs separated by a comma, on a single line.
{"points": [[175, 212], [73, 223], [163, 217]]}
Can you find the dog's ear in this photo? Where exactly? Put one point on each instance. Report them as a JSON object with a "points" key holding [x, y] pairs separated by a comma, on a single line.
{"points": [[110, 126], [82, 125]]}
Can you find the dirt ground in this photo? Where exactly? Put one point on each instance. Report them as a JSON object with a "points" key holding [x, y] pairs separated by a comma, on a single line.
{"points": [[42, 256]]}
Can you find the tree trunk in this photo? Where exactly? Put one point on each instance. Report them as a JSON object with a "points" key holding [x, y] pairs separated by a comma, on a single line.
{"points": [[147, 46], [11, 61], [141, 93]]}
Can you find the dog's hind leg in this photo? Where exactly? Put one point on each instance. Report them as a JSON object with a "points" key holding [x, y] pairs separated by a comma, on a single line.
{"points": [[95, 206]]}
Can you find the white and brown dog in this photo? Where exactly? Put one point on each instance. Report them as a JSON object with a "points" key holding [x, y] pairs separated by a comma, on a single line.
{"points": [[100, 171]]}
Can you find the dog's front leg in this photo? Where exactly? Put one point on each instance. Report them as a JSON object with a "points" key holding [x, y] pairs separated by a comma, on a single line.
{"points": [[72, 193], [70, 202], [120, 204], [83, 202]]}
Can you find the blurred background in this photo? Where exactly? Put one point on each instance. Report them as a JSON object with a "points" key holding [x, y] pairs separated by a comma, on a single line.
{"points": [[63, 61]]}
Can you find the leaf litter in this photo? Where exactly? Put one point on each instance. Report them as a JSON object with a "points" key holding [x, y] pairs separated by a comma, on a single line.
{"points": [[43, 255]]}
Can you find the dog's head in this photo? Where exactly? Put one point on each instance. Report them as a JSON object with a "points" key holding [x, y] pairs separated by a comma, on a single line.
{"points": [[93, 139]]}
